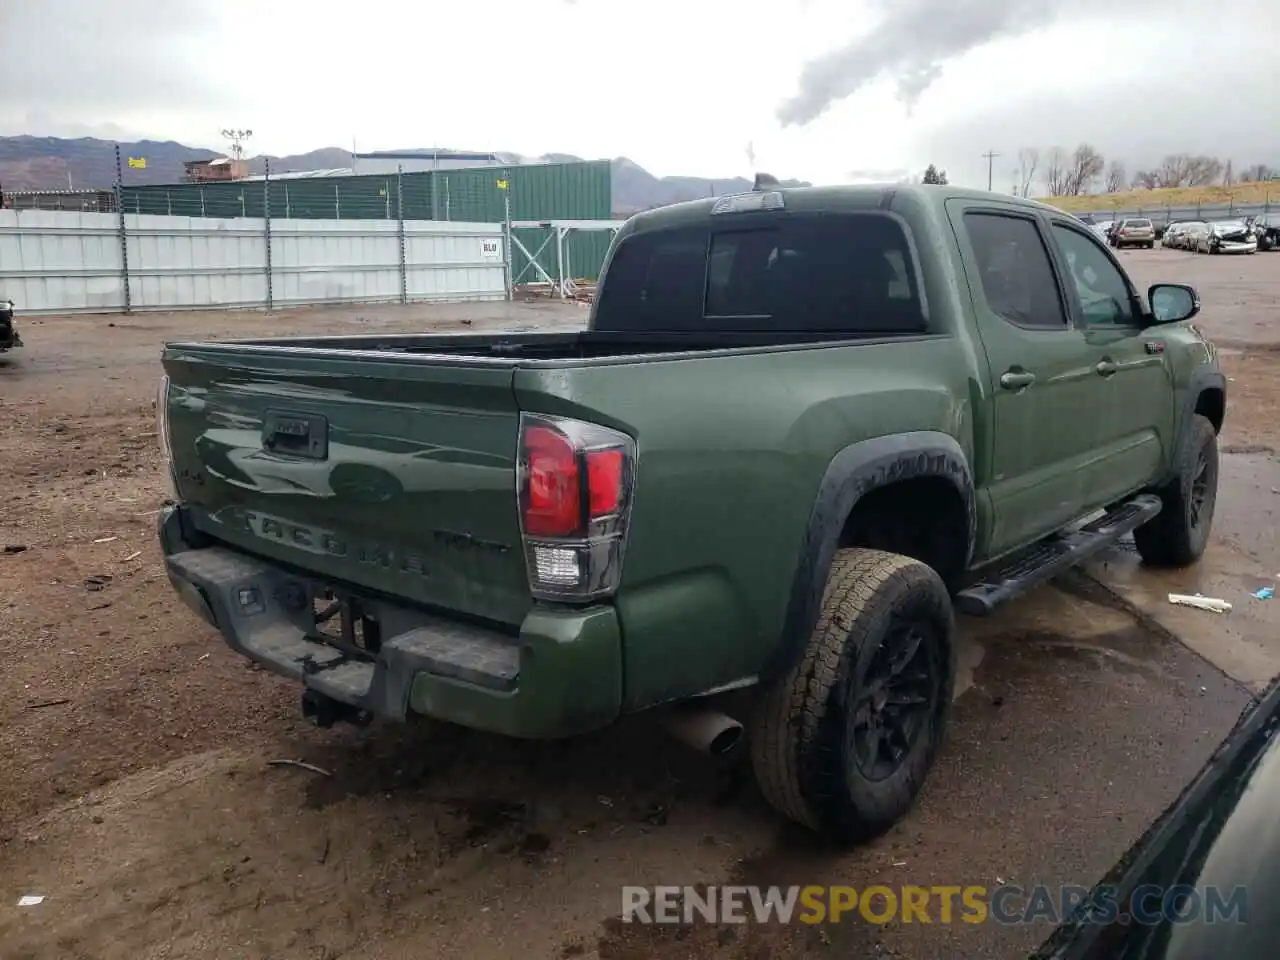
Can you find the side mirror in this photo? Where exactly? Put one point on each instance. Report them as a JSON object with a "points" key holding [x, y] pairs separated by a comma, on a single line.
{"points": [[1173, 302]]}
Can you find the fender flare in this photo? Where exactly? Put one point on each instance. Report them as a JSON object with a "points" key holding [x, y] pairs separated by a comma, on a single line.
{"points": [[852, 473], [1202, 379]]}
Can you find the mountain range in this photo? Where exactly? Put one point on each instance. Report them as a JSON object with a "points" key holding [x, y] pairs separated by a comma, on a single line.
{"points": [[54, 163]]}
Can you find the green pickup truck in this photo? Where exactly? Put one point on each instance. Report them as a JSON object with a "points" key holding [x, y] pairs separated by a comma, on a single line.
{"points": [[800, 429]]}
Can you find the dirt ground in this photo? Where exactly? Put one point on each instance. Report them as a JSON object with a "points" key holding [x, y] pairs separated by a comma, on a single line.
{"points": [[137, 794]]}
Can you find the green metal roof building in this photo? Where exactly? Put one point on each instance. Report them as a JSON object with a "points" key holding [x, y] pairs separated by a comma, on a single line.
{"points": [[541, 192]]}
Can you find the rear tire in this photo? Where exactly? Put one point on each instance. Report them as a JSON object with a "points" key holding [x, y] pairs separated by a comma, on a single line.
{"points": [[841, 743], [1178, 534]]}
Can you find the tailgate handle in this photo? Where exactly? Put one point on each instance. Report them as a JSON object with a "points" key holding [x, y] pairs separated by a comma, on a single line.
{"points": [[296, 435]]}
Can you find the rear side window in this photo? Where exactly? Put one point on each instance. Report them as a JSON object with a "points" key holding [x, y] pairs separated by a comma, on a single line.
{"points": [[799, 273], [1015, 271]]}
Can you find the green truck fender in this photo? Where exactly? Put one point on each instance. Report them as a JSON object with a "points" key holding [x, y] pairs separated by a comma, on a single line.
{"points": [[852, 474], [1206, 395]]}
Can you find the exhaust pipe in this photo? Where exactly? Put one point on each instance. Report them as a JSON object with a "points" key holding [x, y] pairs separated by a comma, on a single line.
{"points": [[705, 730]]}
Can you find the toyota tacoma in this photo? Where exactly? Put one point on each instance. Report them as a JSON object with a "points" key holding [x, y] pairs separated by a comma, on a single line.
{"points": [[801, 428]]}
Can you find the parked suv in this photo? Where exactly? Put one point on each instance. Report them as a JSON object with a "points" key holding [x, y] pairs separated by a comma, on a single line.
{"points": [[1134, 232]]}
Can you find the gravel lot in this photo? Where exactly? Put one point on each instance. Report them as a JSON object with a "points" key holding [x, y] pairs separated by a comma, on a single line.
{"points": [[136, 795]]}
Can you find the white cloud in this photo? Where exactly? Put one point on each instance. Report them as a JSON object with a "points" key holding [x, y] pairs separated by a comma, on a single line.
{"points": [[679, 86]]}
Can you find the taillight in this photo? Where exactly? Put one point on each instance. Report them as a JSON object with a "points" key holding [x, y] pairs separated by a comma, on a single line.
{"points": [[162, 433], [575, 488], [553, 498]]}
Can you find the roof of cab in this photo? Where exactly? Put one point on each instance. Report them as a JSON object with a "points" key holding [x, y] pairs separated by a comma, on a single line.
{"points": [[850, 198]]}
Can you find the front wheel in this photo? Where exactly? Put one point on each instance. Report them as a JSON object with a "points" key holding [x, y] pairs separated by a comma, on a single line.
{"points": [[1178, 534], [842, 742]]}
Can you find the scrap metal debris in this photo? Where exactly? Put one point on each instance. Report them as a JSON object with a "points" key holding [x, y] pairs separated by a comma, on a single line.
{"points": [[1211, 604], [300, 763]]}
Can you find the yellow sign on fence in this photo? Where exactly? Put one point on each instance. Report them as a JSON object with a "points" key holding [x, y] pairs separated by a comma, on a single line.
{"points": [[138, 163], [502, 184]]}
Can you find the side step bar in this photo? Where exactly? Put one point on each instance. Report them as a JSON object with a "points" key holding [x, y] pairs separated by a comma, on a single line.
{"points": [[1052, 556]]}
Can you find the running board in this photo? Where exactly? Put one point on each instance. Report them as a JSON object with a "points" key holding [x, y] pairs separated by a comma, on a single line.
{"points": [[1052, 556]]}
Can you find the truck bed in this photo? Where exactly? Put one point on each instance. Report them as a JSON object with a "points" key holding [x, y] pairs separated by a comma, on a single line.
{"points": [[584, 345]]}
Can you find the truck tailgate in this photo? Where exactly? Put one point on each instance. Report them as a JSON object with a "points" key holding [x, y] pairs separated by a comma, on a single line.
{"points": [[392, 475]]}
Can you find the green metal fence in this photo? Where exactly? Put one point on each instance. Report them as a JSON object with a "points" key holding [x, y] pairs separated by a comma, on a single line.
{"points": [[541, 192]]}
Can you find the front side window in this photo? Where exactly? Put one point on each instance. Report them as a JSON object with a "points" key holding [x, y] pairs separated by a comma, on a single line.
{"points": [[1100, 287]]}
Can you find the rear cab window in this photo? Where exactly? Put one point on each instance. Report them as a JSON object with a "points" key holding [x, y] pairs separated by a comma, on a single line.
{"points": [[847, 273]]}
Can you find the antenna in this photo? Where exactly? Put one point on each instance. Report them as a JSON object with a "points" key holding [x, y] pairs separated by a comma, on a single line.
{"points": [[237, 138]]}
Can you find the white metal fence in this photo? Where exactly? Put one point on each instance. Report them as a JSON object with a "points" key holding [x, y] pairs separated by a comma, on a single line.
{"points": [[1189, 211], [68, 262]]}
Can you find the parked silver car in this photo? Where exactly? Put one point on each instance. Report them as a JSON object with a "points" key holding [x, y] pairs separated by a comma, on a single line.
{"points": [[1173, 234], [1192, 233], [1227, 236]]}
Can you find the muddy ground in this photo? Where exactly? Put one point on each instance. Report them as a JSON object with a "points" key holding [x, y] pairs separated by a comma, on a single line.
{"points": [[137, 794]]}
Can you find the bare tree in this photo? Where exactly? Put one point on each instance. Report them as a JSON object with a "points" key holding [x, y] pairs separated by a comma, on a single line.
{"points": [[1174, 171], [1056, 172], [1028, 161], [1146, 180], [1085, 165], [1115, 177], [1204, 171], [1257, 173], [1228, 176], [1186, 170]]}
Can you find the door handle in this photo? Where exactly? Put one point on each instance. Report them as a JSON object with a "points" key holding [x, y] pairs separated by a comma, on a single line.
{"points": [[1106, 368], [1017, 379]]}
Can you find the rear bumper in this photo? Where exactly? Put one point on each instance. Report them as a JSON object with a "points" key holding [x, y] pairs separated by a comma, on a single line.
{"points": [[561, 675]]}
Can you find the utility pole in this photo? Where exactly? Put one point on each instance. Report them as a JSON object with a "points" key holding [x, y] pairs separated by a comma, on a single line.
{"points": [[122, 234], [991, 156]]}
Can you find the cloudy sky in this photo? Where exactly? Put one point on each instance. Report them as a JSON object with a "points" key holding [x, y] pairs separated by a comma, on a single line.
{"points": [[827, 90]]}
